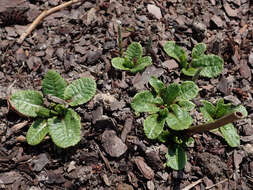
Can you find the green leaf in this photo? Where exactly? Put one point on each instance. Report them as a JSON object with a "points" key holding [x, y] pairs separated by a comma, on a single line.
{"points": [[153, 126], [176, 52], [27, 102], [190, 71], [198, 50], [43, 112], [230, 135], [186, 105], [179, 119], [241, 109], [176, 157], [146, 102], [156, 84], [164, 136], [206, 115], [170, 93], [65, 132], [80, 91], [209, 108], [189, 142], [128, 63], [134, 51], [188, 90], [54, 84], [222, 109], [141, 64], [212, 65], [37, 132], [119, 63]]}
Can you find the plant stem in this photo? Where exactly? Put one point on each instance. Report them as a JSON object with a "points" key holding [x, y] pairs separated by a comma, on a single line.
{"points": [[215, 124], [120, 40]]}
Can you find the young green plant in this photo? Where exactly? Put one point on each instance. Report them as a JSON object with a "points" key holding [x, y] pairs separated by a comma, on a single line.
{"points": [[133, 60], [58, 119], [171, 106], [167, 105], [205, 65]]}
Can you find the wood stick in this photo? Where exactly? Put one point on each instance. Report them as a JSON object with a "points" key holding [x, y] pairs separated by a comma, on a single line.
{"points": [[215, 124], [44, 14]]}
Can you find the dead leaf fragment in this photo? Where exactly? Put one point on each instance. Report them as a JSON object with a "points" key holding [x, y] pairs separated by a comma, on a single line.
{"points": [[147, 172], [230, 12], [154, 10]]}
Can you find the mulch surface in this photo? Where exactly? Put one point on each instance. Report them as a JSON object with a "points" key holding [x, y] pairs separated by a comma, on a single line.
{"points": [[114, 153]]}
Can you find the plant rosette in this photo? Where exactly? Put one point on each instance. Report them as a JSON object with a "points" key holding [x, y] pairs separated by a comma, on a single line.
{"points": [[133, 60], [206, 65], [58, 120], [168, 105]]}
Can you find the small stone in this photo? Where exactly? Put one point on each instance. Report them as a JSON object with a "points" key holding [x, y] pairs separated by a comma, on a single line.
{"points": [[109, 45], [112, 144], [93, 56], [248, 148], [217, 21], [71, 166], [154, 10]]}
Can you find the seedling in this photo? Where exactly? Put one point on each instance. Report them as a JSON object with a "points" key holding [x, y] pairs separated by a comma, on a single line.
{"points": [[133, 60], [207, 65], [170, 106], [57, 119]]}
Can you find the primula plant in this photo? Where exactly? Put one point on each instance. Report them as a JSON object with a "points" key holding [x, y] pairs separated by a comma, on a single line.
{"points": [[57, 119], [206, 65], [170, 122], [133, 60]]}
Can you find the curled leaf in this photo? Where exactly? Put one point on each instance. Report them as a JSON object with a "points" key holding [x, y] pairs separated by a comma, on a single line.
{"points": [[180, 119], [174, 51], [141, 64], [54, 84], [65, 132], [176, 157], [230, 135], [80, 91], [134, 50], [153, 126], [28, 102], [156, 84], [198, 50], [212, 65], [146, 102], [37, 132], [188, 90], [119, 63]]}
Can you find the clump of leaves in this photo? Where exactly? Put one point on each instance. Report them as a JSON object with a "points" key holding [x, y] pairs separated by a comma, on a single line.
{"points": [[211, 113], [169, 120], [56, 119], [168, 105], [133, 60], [207, 65]]}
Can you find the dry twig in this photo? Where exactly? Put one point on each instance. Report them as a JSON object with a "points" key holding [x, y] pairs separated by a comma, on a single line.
{"points": [[216, 124], [188, 187], [44, 14]]}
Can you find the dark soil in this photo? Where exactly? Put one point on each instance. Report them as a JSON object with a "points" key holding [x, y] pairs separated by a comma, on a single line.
{"points": [[114, 152]]}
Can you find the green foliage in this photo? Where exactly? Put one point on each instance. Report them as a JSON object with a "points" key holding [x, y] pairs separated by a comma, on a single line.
{"points": [[169, 117], [209, 65], [211, 112], [169, 105], [59, 121], [133, 60]]}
